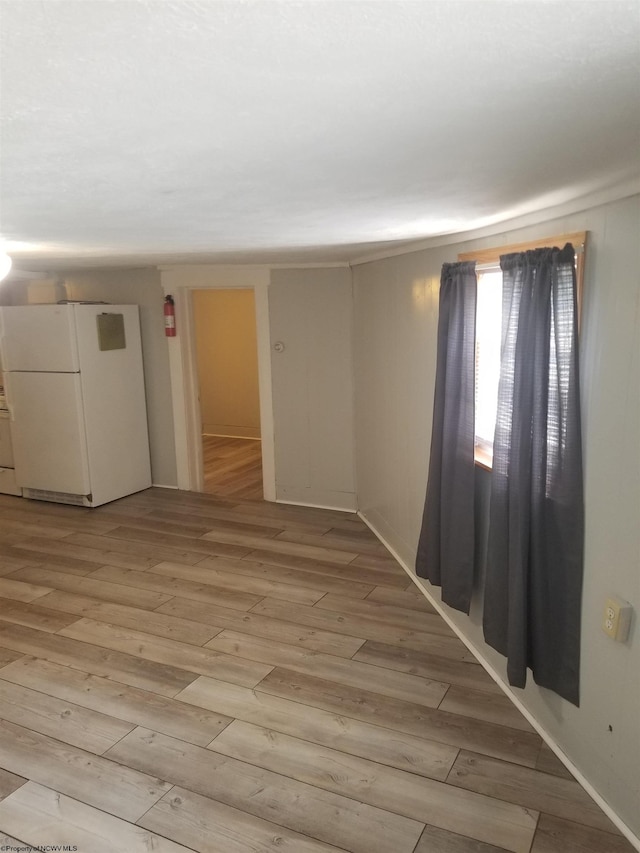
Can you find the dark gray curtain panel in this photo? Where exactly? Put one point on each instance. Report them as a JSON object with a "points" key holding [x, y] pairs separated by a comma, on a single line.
{"points": [[446, 544], [532, 600]]}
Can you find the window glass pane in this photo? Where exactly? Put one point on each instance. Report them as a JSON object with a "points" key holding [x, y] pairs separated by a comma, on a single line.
{"points": [[488, 336]]}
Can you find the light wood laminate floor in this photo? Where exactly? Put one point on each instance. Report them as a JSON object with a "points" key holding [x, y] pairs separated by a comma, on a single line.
{"points": [[180, 671], [232, 467]]}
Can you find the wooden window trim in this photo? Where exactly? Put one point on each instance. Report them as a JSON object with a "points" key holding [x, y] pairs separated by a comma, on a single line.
{"points": [[485, 257], [578, 240], [482, 458]]}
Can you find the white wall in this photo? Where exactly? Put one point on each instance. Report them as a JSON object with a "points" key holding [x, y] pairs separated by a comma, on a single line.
{"points": [[127, 286], [310, 313], [395, 350], [306, 391]]}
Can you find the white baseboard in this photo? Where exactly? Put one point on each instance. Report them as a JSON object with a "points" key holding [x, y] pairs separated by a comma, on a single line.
{"points": [[316, 497], [162, 486], [477, 653], [231, 432], [315, 506]]}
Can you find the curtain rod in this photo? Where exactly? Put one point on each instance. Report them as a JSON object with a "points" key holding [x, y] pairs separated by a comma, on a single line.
{"points": [[495, 265]]}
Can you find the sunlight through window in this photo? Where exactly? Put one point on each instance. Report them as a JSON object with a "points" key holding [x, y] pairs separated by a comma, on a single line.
{"points": [[488, 336]]}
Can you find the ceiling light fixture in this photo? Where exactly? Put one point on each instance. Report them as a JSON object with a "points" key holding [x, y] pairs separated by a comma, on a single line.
{"points": [[5, 265]]}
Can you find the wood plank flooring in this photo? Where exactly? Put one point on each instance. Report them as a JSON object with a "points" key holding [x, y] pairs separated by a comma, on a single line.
{"points": [[232, 467], [185, 671]]}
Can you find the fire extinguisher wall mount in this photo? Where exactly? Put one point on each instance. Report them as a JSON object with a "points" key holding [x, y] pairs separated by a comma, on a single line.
{"points": [[169, 317]]}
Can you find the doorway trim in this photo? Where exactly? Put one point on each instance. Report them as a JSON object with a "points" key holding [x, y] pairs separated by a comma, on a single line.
{"points": [[179, 281]]}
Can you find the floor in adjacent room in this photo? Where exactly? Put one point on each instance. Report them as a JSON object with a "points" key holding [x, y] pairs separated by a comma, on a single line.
{"points": [[182, 671], [232, 466]]}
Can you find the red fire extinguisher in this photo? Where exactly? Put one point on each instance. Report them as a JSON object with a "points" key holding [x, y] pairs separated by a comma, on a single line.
{"points": [[169, 317]]}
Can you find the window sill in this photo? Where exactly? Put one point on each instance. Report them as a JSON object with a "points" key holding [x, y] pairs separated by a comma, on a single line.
{"points": [[483, 459]]}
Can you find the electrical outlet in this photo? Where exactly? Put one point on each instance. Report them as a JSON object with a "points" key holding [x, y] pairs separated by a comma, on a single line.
{"points": [[616, 618]]}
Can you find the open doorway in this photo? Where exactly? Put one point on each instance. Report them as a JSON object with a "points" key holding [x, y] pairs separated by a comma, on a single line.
{"points": [[226, 351]]}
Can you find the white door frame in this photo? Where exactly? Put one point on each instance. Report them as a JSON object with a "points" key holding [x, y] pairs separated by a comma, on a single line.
{"points": [[180, 281]]}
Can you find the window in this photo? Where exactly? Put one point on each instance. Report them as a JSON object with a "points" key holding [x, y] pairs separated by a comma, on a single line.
{"points": [[489, 330], [488, 326]]}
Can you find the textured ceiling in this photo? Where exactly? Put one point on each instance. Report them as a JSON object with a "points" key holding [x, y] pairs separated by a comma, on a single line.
{"points": [[225, 130]]}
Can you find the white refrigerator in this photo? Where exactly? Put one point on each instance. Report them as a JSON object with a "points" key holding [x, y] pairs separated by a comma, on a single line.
{"points": [[74, 386]]}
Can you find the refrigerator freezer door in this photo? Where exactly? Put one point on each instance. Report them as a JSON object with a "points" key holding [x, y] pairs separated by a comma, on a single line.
{"points": [[47, 431], [113, 394], [38, 337]]}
